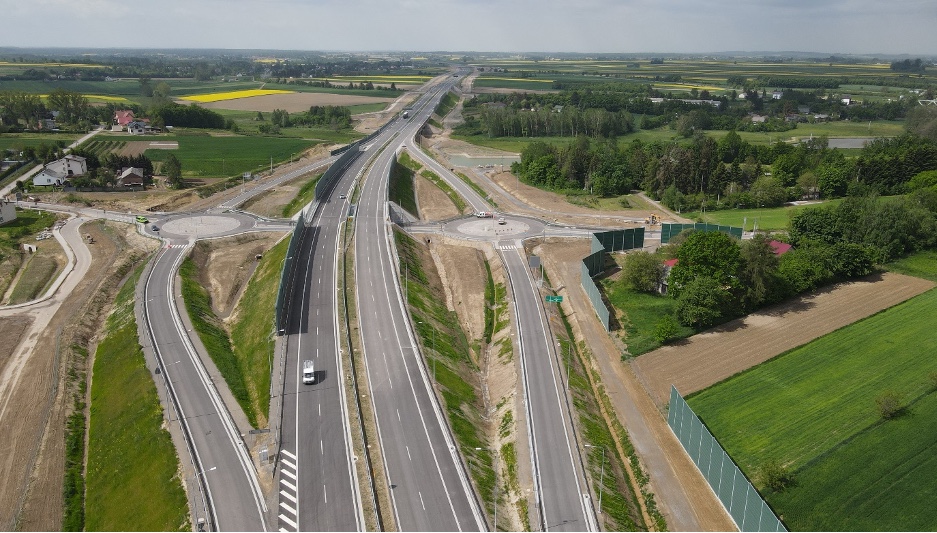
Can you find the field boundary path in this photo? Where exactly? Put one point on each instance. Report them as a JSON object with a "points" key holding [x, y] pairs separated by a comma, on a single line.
{"points": [[712, 356]]}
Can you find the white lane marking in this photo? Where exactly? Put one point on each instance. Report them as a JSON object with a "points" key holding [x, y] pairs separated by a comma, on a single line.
{"points": [[283, 530], [288, 496], [421, 500], [287, 484], [320, 409], [321, 448], [288, 508], [288, 521], [408, 454], [287, 463], [398, 415], [325, 494], [288, 473], [288, 454]]}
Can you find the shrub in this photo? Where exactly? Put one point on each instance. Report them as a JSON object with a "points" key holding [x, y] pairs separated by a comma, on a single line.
{"points": [[666, 329], [774, 475], [889, 405]]}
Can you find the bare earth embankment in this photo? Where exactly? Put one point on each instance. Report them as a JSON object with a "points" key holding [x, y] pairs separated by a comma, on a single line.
{"points": [[715, 355]]}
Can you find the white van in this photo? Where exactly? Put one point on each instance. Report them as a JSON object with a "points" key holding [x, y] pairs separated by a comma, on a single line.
{"points": [[309, 373]]}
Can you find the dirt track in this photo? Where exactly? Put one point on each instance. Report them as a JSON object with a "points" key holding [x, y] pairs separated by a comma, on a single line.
{"points": [[717, 354]]}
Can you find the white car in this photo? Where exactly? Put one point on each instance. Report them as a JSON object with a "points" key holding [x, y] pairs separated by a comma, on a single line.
{"points": [[502, 221], [309, 373], [483, 214]]}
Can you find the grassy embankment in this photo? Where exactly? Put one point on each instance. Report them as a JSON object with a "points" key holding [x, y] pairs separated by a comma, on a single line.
{"points": [[813, 410], [450, 360], [132, 480], [401, 190], [243, 353], [305, 195], [433, 178], [446, 104], [252, 327]]}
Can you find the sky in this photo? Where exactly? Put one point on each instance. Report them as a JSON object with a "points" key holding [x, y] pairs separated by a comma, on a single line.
{"points": [[588, 26]]}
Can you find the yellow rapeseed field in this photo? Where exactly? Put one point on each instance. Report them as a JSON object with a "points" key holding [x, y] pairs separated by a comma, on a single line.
{"points": [[232, 95]]}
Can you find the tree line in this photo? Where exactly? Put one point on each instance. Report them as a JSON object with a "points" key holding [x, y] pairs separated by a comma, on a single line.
{"points": [[717, 278]]}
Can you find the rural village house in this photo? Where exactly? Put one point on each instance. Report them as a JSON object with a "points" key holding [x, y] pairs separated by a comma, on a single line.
{"points": [[123, 117], [58, 171], [780, 248], [136, 127], [130, 177]]}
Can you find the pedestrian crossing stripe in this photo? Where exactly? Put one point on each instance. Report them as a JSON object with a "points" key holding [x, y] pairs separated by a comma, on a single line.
{"points": [[507, 247]]}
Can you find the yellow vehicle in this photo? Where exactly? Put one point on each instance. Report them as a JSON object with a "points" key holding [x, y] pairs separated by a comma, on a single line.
{"points": [[142, 220]]}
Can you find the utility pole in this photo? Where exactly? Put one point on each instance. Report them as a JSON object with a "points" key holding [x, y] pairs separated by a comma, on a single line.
{"points": [[601, 476]]}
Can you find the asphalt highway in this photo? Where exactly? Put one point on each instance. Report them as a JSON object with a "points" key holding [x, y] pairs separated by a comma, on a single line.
{"points": [[232, 499], [430, 490]]}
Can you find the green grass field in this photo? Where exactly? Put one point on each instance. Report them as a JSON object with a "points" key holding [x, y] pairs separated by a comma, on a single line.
{"points": [[204, 156], [640, 314], [305, 195], [18, 141], [922, 264], [132, 477], [772, 218], [814, 410]]}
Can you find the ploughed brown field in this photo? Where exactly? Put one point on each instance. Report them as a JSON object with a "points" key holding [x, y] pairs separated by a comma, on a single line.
{"points": [[710, 357]]}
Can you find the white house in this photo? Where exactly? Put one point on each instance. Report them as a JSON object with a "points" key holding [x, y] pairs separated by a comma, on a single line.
{"points": [[49, 177], [70, 165], [136, 128], [7, 212]]}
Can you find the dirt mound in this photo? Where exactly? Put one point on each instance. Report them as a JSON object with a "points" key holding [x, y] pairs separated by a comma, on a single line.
{"points": [[226, 265]]}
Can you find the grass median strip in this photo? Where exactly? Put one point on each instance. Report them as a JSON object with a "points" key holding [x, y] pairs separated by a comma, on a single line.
{"points": [[133, 470]]}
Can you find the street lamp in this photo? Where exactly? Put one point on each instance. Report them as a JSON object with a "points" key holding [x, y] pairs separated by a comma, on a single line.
{"points": [[495, 451], [601, 476]]}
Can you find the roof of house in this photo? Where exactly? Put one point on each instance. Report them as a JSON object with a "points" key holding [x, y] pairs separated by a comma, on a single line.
{"points": [[123, 116], [131, 171], [780, 248], [671, 262]]}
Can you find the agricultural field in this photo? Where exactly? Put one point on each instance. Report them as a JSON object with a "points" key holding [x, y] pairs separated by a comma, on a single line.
{"points": [[814, 410], [18, 141], [204, 156], [683, 75], [232, 95]]}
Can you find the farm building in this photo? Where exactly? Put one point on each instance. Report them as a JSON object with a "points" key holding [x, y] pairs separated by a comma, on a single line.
{"points": [[130, 177], [7, 212]]}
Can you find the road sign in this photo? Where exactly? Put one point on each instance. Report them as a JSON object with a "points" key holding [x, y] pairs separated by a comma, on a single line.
{"points": [[556, 299]]}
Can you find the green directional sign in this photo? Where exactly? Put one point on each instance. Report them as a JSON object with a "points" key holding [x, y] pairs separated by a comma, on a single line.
{"points": [[556, 299]]}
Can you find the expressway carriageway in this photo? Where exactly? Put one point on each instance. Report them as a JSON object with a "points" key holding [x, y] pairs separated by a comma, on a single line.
{"points": [[561, 492], [429, 487], [317, 484]]}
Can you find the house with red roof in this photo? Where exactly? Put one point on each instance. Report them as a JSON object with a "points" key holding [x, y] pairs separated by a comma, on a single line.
{"points": [[123, 117]]}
